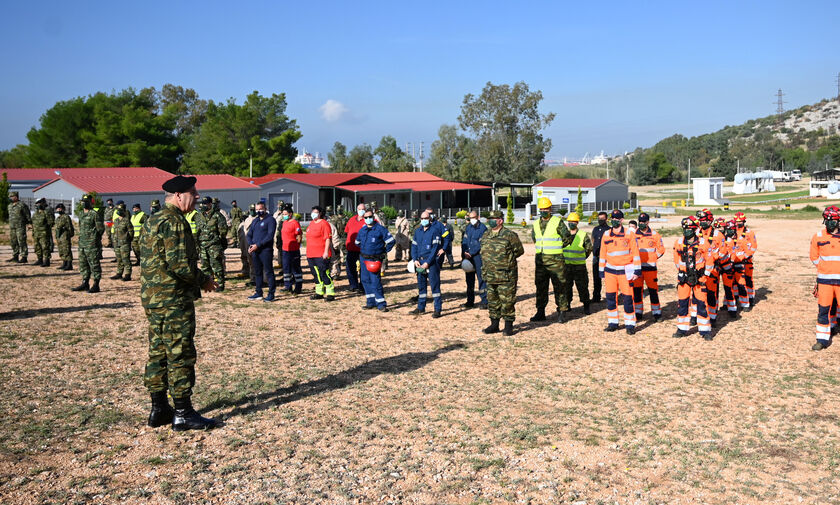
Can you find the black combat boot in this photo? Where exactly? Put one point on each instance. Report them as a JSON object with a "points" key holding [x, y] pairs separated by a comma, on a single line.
{"points": [[161, 413], [116, 276], [13, 259], [63, 266], [126, 278], [493, 328], [37, 263], [69, 265], [22, 260], [84, 286], [586, 309], [539, 316], [561, 316], [508, 328], [186, 418], [95, 287], [46, 262]]}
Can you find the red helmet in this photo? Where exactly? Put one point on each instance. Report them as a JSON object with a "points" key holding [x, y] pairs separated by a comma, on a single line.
{"points": [[831, 212], [373, 266], [689, 222], [730, 225], [704, 215], [719, 222], [740, 217]]}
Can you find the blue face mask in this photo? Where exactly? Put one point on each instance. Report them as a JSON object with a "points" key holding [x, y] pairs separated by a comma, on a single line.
{"points": [[369, 220], [360, 212], [424, 222], [285, 217]]}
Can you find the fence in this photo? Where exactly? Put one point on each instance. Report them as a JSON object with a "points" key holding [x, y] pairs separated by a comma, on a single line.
{"points": [[51, 203]]}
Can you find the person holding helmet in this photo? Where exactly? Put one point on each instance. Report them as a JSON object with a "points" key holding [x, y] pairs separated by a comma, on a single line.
{"points": [[426, 247], [500, 247], [619, 266], [694, 264], [471, 260], [550, 236], [374, 242], [825, 255], [575, 255], [651, 249], [752, 246]]}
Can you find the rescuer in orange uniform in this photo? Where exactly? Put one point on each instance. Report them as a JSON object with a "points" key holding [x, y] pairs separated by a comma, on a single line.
{"points": [[714, 237], [723, 265], [752, 247], [825, 254], [619, 265], [694, 263], [651, 249]]}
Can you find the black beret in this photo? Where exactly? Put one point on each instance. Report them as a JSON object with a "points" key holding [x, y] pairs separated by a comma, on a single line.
{"points": [[136, 206], [179, 184], [207, 200], [644, 217], [617, 214]]}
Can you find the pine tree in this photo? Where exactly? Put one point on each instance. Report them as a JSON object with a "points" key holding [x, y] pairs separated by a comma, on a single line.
{"points": [[4, 199]]}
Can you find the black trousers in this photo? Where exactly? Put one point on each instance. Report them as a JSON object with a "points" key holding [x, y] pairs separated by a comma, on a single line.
{"points": [[596, 278]]}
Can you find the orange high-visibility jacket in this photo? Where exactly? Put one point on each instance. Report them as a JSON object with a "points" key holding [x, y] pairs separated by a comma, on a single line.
{"points": [[749, 236], [825, 255], [702, 258], [651, 248], [619, 249]]}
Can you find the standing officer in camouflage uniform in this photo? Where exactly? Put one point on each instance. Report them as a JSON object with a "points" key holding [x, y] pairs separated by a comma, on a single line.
{"points": [[108, 217], [448, 251], [170, 281], [212, 242], [42, 225], [123, 236], [64, 231], [236, 217], [402, 233], [137, 219], [575, 255], [91, 227], [550, 236], [338, 221], [154, 208], [19, 217], [500, 247]]}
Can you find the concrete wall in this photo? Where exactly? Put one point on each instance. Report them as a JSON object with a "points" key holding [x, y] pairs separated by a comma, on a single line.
{"points": [[557, 195], [301, 196]]}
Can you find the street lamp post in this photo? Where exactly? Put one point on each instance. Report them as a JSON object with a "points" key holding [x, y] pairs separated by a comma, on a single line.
{"points": [[250, 163]]}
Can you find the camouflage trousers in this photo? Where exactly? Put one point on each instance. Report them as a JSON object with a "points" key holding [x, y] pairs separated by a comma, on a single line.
{"points": [[213, 262], [89, 262], [123, 254], [64, 249], [577, 276], [501, 300], [172, 354], [17, 236], [43, 245], [551, 269], [109, 242], [335, 264], [135, 246]]}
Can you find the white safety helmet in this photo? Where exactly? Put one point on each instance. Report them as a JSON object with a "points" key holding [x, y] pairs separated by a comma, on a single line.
{"points": [[467, 265], [410, 267]]}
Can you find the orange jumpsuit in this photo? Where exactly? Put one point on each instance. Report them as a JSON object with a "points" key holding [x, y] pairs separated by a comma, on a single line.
{"points": [[695, 252], [749, 235], [739, 253], [825, 254], [724, 267], [715, 239], [651, 249], [619, 256]]}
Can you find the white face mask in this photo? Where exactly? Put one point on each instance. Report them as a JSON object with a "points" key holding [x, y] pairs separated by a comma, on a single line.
{"points": [[315, 215], [360, 212], [473, 222]]}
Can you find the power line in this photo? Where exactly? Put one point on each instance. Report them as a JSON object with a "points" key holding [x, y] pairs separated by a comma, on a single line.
{"points": [[780, 105]]}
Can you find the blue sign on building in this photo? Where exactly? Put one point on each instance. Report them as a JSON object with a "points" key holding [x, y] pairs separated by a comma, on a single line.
{"points": [[565, 200]]}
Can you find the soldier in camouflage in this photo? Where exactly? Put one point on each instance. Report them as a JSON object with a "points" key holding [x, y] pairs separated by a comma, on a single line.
{"points": [[42, 224], [138, 217], [338, 220], [19, 217], [170, 282], [402, 236], [64, 231], [154, 208], [108, 217], [91, 227], [212, 233], [237, 215], [550, 235], [123, 235], [500, 247]]}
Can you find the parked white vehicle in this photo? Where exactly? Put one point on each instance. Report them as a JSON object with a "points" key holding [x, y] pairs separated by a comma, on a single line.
{"points": [[796, 175], [779, 176]]}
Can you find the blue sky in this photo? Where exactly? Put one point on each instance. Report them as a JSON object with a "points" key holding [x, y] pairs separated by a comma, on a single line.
{"points": [[617, 74]]}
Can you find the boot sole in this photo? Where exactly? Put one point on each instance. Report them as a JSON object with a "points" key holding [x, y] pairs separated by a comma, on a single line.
{"points": [[181, 427]]}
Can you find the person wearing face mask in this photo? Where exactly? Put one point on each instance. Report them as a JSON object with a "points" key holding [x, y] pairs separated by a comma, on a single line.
{"points": [[550, 235], [694, 263], [43, 221], [425, 248], [471, 251], [247, 271], [237, 215], [723, 265], [122, 234], [154, 208], [64, 231], [138, 217], [375, 242], [261, 247], [597, 232], [745, 233], [318, 254], [705, 220], [402, 229], [351, 231], [292, 237], [619, 265], [500, 248], [651, 248], [825, 255], [108, 217], [737, 249], [19, 217], [91, 227], [212, 233], [575, 255], [337, 222], [446, 236]]}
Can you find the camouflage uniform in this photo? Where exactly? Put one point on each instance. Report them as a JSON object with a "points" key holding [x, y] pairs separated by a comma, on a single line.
{"points": [[154, 208], [108, 217], [212, 232], [122, 235], [64, 231], [19, 217], [551, 268], [237, 215], [338, 221], [91, 227], [170, 283], [42, 224], [402, 236], [499, 251]]}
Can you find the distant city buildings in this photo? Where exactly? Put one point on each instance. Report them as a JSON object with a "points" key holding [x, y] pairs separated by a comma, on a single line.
{"points": [[313, 162]]}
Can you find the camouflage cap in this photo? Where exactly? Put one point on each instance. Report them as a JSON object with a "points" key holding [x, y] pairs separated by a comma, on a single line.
{"points": [[121, 206], [14, 193], [329, 208], [215, 201], [207, 200], [40, 200], [155, 203], [496, 214], [253, 206]]}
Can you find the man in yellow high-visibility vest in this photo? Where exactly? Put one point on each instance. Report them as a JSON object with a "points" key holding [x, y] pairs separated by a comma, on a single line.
{"points": [[138, 217], [550, 236], [575, 254]]}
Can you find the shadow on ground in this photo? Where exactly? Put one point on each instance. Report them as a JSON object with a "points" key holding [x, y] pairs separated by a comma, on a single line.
{"points": [[29, 313]]}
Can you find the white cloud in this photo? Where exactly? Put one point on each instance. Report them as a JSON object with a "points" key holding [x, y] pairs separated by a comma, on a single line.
{"points": [[333, 111]]}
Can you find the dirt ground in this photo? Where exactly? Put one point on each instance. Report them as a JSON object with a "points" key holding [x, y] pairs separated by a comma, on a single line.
{"points": [[326, 403]]}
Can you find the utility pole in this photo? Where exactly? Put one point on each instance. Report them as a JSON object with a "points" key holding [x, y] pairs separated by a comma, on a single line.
{"points": [[608, 169], [688, 193], [627, 173], [421, 155], [250, 163], [838, 86], [780, 105]]}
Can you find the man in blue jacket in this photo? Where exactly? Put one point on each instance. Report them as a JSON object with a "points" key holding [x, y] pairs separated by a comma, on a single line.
{"points": [[445, 236], [375, 242], [261, 247], [426, 249], [471, 250]]}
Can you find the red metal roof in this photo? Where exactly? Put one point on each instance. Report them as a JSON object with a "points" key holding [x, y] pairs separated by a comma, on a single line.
{"points": [[405, 176], [412, 186], [150, 180], [322, 180], [572, 183], [46, 174]]}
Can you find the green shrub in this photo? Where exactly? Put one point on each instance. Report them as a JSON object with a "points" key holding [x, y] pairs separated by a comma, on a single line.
{"points": [[389, 212], [461, 214]]}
